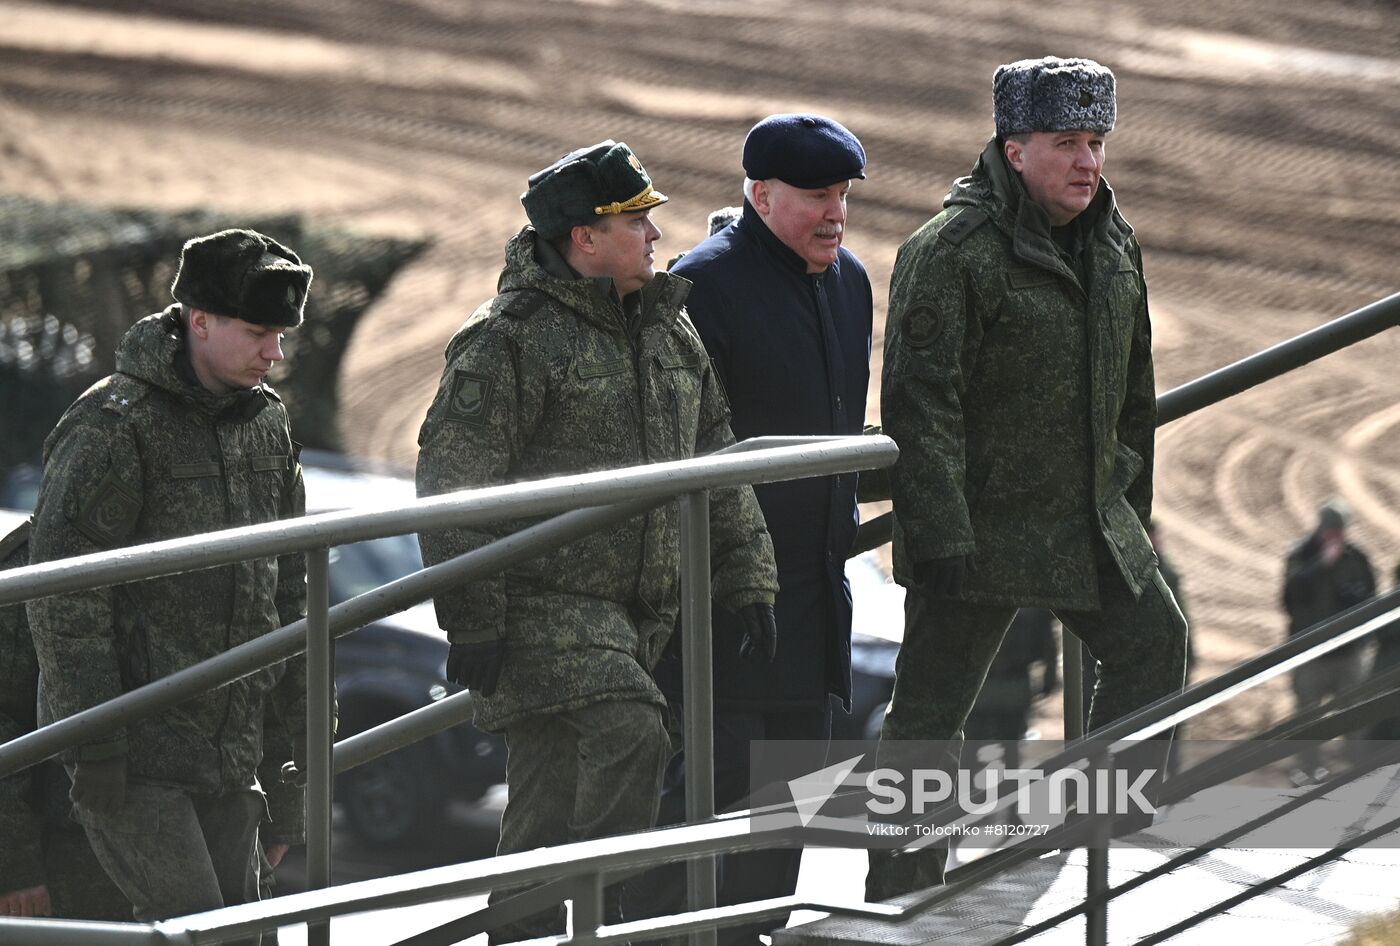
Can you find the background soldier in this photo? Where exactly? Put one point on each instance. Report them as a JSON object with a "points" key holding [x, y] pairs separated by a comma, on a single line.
{"points": [[785, 312], [47, 867], [584, 361], [184, 438], [1325, 575], [1018, 384]]}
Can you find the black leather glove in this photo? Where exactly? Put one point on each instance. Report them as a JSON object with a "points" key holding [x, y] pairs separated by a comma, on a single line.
{"points": [[476, 666], [759, 638], [944, 576], [100, 787]]}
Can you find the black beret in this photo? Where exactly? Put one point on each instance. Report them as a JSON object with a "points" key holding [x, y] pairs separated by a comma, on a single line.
{"points": [[244, 274], [586, 184], [1053, 94], [806, 151]]}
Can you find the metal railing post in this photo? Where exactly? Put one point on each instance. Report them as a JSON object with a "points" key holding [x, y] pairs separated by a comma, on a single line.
{"points": [[320, 682], [698, 693], [1073, 675], [588, 912], [1096, 849], [1096, 874]]}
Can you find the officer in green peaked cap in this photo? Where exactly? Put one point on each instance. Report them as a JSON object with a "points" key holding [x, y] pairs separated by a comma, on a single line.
{"points": [[585, 185], [583, 361]]}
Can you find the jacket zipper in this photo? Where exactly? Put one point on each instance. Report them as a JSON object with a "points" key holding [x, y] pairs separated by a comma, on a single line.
{"points": [[635, 341]]}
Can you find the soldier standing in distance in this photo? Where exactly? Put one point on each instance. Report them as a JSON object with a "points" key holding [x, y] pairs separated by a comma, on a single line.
{"points": [[1018, 384], [585, 361], [184, 438], [1325, 574], [785, 312]]}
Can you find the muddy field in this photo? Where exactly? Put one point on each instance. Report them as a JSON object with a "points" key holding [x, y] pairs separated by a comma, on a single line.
{"points": [[1257, 155]]}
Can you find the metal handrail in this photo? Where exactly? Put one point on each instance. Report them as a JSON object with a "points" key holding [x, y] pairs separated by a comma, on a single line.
{"points": [[760, 460], [639, 488], [1322, 639], [652, 483], [1214, 387], [1226, 382]]}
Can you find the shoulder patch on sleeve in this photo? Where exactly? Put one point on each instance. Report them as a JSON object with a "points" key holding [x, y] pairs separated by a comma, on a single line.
{"points": [[922, 326], [962, 223], [469, 400], [109, 513]]}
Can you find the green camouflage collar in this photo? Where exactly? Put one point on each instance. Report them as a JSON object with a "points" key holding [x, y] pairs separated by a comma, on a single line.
{"points": [[151, 351], [998, 191], [532, 264]]}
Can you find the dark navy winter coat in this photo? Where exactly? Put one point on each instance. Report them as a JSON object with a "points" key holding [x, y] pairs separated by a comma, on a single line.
{"points": [[793, 353]]}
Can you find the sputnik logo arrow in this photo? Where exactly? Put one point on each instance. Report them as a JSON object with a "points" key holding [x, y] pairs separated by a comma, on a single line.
{"points": [[810, 792]]}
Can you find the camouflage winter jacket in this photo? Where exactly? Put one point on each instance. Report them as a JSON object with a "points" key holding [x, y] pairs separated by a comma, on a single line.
{"points": [[1021, 396], [22, 855], [144, 455], [548, 379]]}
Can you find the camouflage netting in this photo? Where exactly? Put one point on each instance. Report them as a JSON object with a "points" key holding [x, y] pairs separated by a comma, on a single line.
{"points": [[73, 278]]}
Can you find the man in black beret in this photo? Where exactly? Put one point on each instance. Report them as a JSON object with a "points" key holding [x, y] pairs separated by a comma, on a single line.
{"points": [[785, 312], [1018, 384], [185, 437], [584, 361]]}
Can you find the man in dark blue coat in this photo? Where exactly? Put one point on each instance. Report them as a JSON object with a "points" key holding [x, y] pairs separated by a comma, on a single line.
{"points": [[785, 312]]}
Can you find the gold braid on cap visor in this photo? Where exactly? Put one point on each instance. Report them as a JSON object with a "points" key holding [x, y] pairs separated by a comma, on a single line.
{"points": [[647, 198]]}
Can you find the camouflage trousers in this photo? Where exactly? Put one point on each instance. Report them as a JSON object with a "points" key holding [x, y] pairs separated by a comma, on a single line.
{"points": [[1139, 644], [173, 853], [575, 775], [80, 889]]}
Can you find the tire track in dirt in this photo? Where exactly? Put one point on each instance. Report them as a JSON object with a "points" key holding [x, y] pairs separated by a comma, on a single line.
{"points": [[1259, 201]]}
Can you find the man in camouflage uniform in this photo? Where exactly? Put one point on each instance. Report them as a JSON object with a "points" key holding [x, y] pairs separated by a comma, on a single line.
{"points": [[47, 867], [184, 438], [584, 361], [1018, 384]]}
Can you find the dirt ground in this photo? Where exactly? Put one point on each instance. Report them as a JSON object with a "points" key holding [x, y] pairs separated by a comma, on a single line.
{"points": [[1257, 155]]}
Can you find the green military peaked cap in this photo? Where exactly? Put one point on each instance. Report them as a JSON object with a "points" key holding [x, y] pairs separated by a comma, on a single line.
{"points": [[586, 184], [244, 274]]}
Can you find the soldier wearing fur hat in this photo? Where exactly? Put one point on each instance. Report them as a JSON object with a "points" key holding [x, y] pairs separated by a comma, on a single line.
{"points": [[1018, 384], [184, 438], [585, 360]]}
